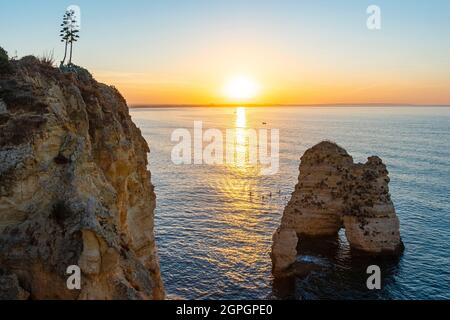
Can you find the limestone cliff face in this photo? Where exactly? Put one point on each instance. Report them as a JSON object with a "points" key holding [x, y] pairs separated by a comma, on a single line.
{"points": [[284, 249], [334, 192], [74, 189]]}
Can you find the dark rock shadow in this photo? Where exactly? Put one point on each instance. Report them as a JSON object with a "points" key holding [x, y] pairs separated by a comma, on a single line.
{"points": [[328, 269]]}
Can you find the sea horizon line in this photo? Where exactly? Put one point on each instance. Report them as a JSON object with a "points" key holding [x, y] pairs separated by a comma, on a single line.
{"points": [[253, 105]]}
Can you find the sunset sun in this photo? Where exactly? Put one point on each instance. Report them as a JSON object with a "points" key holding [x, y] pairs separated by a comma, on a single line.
{"points": [[241, 89]]}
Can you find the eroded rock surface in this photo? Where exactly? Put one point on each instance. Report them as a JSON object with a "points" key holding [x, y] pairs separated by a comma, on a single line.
{"points": [[74, 188], [284, 249], [10, 288], [333, 192]]}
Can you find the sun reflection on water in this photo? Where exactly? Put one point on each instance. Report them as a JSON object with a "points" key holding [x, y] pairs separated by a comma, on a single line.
{"points": [[241, 193], [241, 145], [241, 117]]}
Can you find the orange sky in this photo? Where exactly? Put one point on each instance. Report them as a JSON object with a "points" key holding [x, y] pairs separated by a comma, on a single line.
{"points": [[143, 89], [298, 52]]}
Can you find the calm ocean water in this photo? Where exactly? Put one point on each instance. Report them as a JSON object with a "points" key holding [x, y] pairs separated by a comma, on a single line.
{"points": [[214, 229]]}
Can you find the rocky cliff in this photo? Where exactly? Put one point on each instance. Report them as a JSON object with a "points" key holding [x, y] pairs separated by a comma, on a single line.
{"points": [[74, 189], [333, 193]]}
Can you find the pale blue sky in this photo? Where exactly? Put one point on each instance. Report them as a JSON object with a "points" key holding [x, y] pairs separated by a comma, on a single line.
{"points": [[183, 43]]}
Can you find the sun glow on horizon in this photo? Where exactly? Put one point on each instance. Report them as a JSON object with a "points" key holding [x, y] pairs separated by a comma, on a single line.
{"points": [[240, 89]]}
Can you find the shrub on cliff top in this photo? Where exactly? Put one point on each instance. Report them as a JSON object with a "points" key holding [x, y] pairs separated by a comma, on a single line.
{"points": [[3, 54], [82, 73], [47, 58], [5, 65]]}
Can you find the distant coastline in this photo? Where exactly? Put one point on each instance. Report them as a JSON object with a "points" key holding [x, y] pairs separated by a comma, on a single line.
{"points": [[393, 105]]}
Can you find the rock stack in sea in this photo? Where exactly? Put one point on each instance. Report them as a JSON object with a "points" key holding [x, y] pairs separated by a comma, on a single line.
{"points": [[333, 193], [74, 189]]}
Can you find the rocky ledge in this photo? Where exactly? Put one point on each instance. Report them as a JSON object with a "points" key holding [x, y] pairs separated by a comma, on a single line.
{"points": [[74, 189], [333, 193]]}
